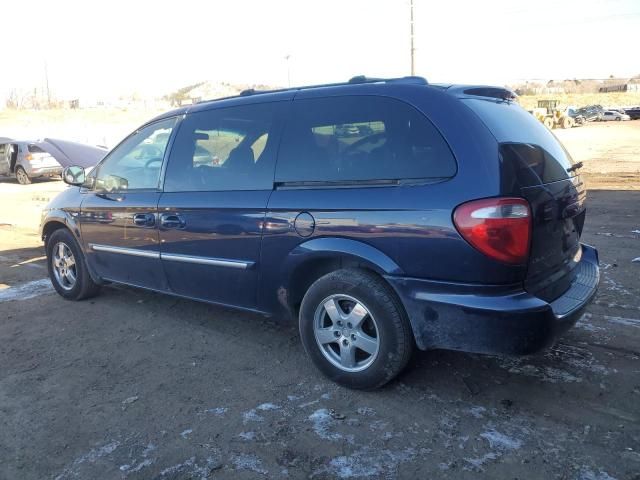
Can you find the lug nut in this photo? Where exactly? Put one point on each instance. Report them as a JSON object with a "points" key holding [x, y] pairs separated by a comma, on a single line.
{"points": [[345, 342], [353, 337], [349, 325], [336, 333]]}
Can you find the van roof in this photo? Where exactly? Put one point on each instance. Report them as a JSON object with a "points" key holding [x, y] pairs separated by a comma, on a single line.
{"points": [[361, 80]]}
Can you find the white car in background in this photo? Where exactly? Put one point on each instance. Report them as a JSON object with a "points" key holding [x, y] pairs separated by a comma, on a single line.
{"points": [[609, 115]]}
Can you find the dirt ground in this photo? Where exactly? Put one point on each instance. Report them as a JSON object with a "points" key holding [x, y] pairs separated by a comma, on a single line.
{"points": [[139, 385]]}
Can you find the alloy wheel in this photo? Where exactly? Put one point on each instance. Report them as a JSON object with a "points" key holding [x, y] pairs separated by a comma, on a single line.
{"points": [[346, 332], [64, 266]]}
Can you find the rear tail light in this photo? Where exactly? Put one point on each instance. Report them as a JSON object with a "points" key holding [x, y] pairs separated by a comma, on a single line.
{"points": [[498, 227]]}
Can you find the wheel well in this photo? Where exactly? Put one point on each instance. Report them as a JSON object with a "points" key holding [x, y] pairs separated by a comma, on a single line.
{"points": [[307, 273], [49, 228]]}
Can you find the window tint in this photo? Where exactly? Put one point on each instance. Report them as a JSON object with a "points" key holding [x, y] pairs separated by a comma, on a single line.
{"points": [[136, 162], [35, 149], [510, 123], [224, 149], [360, 138], [531, 165]]}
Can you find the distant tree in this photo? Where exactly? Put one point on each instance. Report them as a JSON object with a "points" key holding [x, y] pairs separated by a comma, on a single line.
{"points": [[176, 98]]}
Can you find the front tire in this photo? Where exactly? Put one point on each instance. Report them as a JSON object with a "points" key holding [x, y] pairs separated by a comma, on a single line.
{"points": [[22, 177], [67, 268], [355, 330]]}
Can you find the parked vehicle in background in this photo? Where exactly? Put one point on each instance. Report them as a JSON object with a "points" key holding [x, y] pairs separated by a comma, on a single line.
{"points": [[612, 115], [591, 113], [453, 221], [578, 119], [27, 160], [634, 113]]}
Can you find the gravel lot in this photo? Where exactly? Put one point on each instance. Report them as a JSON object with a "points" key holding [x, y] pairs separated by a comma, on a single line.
{"points": [[137, 385]]}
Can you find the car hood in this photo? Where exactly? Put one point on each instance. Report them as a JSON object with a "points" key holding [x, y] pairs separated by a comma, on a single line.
{"points": [[72, 153]]}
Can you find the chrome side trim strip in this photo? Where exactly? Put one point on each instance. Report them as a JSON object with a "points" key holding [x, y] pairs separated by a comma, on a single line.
{"points": [[136, 252], [173, 257], [216, 262]]}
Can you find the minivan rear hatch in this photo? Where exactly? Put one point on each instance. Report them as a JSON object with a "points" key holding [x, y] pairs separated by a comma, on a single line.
{"points": [[535, 165]]}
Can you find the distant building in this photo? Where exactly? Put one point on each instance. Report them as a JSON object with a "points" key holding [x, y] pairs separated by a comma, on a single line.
{"points": [[632, 85]]}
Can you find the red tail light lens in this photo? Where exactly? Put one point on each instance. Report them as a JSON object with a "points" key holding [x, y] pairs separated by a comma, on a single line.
{"points": [[498, 227]]}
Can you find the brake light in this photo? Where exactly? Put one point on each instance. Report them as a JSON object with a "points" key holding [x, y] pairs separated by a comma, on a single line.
{"points": [[498, 227]]}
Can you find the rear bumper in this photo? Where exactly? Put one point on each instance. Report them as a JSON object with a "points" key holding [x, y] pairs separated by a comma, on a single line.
{"points": [[43, 171], [494, 319]]}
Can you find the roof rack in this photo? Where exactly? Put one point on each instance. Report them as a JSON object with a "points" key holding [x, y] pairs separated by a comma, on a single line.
{"points": [[357, 80]]}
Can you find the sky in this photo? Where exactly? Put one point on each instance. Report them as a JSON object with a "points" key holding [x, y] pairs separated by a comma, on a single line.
{"points": [[110, 48]]}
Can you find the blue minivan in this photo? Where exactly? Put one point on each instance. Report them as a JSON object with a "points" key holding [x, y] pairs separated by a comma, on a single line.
{"points": [[383, 214]]}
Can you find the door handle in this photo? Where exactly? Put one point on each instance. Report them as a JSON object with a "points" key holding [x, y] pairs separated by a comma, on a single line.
{"points": [[172, 220], [144, 219]]}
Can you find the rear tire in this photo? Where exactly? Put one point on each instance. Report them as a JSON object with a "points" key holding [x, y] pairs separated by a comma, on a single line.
{"points": [[22, 177], [67, 268], [548, 122], [355, 330]]}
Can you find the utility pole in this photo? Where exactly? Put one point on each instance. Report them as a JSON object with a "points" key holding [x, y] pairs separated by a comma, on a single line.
{"points": [[46, 79], [287, 57], [413, 63]]}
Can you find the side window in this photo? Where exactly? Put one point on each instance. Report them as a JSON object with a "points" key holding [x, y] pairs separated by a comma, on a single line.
{"points": [[135, 163], [360, 138], [224, 149]]}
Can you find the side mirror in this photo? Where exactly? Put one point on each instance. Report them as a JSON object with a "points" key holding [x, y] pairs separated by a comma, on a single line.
{"points": [[73, 175]]}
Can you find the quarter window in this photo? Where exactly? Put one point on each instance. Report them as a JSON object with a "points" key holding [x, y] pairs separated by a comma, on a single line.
{"points": [[360, 138], [224, 149], [135, 163]]}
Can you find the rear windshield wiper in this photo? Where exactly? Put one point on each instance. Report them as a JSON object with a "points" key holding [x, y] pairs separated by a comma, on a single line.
{"points": [[575, 167]]}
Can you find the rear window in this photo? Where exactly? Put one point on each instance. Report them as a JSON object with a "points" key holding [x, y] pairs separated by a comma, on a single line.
{"points": [[360, 138], [35, 149], [525, 142]]}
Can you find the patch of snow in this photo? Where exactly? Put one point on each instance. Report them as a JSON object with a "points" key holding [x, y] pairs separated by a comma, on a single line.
{"points": [[247, 435], [477, 463], [588, 474], [366, 411], [191, 468], [218, 411], [249, 462], [477, 411], [91, 457], [544, 373], [501, 441], [141, 465], [25, 291], [322, 421], [366, 462], [186, 433], [252, 416], [628, 322], [268, 406]]}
